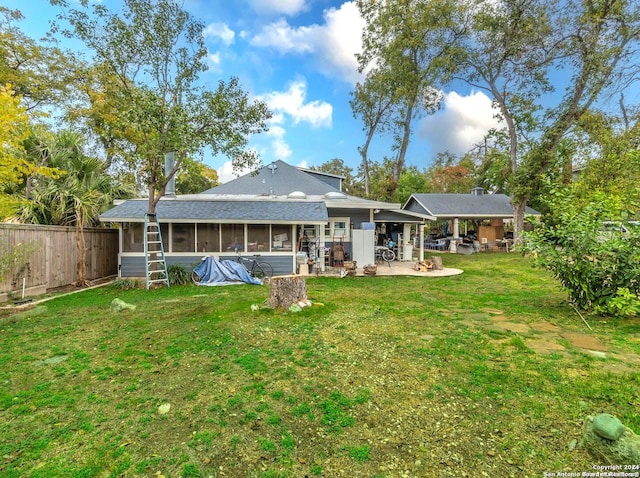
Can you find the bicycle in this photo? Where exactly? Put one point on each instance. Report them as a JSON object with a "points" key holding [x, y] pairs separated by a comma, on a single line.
{"points": [[259, 270], [383, 253]]}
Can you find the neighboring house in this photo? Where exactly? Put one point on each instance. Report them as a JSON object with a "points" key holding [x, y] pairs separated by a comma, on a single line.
{"points": [[276, 212]]}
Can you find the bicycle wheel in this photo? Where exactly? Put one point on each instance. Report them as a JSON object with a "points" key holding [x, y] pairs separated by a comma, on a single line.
{"points": [[262, 270], [388, 255]]}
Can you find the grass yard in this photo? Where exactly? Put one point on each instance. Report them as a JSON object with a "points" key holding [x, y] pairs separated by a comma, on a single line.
{"points": [[489, 373]]}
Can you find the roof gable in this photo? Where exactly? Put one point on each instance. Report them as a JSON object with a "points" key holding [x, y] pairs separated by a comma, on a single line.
{"points": [[446, 206], [275, 179]]}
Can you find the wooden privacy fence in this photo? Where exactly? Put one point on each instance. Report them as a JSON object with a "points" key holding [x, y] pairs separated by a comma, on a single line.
{"points": [[45, 257]]}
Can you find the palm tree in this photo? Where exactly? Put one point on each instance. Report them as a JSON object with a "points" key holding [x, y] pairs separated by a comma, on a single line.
{"points": [[75, 199]]}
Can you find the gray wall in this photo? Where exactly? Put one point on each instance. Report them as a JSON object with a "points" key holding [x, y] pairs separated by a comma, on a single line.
{"points": [[133, 266]]}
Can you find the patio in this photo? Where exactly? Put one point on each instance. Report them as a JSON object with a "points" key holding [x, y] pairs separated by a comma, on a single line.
{"points": [[394, 268]]}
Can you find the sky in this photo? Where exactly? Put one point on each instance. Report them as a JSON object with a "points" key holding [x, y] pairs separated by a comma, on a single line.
{"points": [[299, 57]]}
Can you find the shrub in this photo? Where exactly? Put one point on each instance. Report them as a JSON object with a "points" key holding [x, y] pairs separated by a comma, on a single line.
{"points": [[125, 284], [600, 271], [178, 275]]}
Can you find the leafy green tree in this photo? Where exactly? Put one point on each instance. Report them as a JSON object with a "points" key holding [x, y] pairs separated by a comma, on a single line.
{"points": [[14, 164], [78, 197], [195, 177], [506, 54], [491, 159], [412, 46], [608, 146], [336, 166], [40, 74], [599, 268], [515, 45], [383, 184], [449, 174], [373, 101], [98, 111], [155, 53], [411, 181]]}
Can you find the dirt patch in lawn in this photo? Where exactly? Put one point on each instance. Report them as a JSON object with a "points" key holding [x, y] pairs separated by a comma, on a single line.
{"points": [[546, 338]]}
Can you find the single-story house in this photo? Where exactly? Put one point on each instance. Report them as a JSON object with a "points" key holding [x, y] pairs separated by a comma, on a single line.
{"points": [[282, 212], [277, 212]]}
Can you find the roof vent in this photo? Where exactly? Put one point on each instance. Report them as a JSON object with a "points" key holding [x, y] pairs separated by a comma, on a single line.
{"points": [[335, 195], [477, 191], [297, 195]]}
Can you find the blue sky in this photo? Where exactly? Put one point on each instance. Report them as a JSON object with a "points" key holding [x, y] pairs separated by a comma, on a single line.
{"points": [[298, 56]]}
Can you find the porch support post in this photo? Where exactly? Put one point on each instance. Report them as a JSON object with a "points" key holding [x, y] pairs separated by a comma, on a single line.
{"points": [[421, 237], [453, 247], [322, 250]]}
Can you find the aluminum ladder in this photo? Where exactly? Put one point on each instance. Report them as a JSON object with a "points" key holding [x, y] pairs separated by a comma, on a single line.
{"points": [[155, 265]]}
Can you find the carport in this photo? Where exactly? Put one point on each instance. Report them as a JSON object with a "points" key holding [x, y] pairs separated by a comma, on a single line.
{"points": [[459, 207]]}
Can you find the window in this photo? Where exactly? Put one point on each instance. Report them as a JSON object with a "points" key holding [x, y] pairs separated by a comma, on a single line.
{"points": [[281, 237], [183, 237], [232, 237], [337, 228], [132, 237], [208, 238], [312, 232], [258, 237]]}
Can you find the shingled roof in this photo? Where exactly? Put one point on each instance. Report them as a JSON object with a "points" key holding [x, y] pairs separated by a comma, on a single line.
{"points": [[275, 179], [179, 210], [470, 206]]}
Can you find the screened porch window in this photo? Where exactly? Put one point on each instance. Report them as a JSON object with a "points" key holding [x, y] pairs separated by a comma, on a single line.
{"points": [[183, 237], [258, 237], [133, 236], [232, 237], [208, 238], [281, 237]]}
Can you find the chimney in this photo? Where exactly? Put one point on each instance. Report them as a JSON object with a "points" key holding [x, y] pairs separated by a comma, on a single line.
{"points": [[169, 163], [477, 191]]}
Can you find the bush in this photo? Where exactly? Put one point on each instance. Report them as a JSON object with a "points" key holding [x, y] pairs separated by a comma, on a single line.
{"points": [[600, 271], [178, 275], [125, 284]]}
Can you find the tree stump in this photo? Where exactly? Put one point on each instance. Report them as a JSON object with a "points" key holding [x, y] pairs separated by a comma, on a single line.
{"points": [[287, 290], [437, 263]]}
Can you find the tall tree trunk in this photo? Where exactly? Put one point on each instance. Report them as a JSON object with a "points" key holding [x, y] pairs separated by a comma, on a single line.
{"points": [[404, 145], [518, 219], [364, 152]]}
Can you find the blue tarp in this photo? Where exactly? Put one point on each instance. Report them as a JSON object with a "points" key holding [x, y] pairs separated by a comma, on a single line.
{"points": [[214, 272]]}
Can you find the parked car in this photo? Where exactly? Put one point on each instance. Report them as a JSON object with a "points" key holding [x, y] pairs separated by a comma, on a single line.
{"points": [[610, 228]]}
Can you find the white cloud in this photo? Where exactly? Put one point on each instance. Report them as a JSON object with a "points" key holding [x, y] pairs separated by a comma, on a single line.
{"points": [[280, 36], [342, 40], [286, 7], [462, 123], [279, 146], [219, 31], [214, 58], [333, 44], [292, 103], [226, 172]]}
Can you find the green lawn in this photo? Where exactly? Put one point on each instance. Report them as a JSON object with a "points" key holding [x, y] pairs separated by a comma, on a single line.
{"points": [[480, 374]]}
